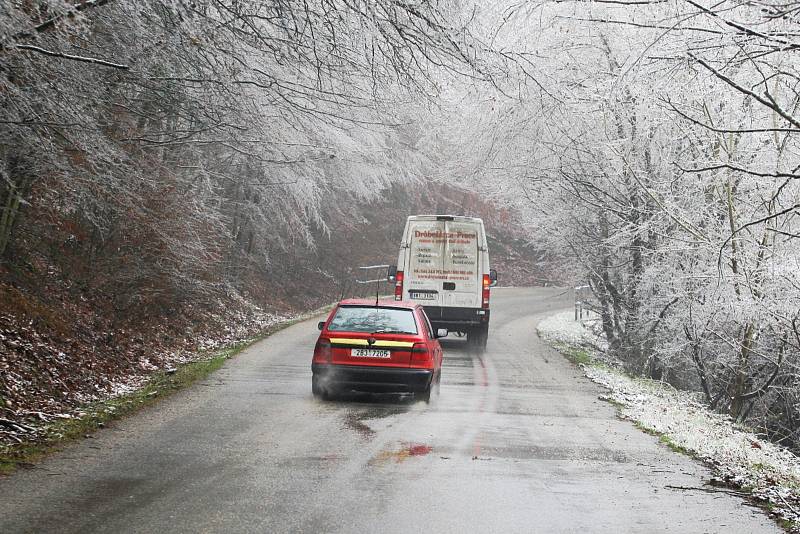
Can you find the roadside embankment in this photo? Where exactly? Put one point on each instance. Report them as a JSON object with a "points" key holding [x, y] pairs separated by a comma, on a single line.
{"points": [[32, 434]]}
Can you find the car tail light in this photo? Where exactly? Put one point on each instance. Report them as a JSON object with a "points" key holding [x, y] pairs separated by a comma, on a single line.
{"points": [[398, 286], [322, 350], [486, 283], [421, 355]]}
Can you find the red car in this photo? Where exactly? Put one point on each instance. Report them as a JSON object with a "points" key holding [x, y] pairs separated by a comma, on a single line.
{"points": [[383, 346]]}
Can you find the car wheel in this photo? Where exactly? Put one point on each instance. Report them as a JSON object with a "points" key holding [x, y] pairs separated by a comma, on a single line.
{"points": [[472, 337], [425, 396], [433, 389], [437, 385], [484, 337], [317, 390], [478, 337]]}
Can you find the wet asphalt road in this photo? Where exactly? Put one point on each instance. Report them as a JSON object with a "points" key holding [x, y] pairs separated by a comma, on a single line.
{"points": [[517, 442]]}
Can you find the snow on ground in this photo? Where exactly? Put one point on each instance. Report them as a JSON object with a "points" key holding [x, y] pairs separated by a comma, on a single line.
{"points": [[739, 458], [563, 328]]}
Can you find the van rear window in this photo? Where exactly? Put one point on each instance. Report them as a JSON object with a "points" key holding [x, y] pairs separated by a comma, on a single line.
{"points": [[373, 320]]}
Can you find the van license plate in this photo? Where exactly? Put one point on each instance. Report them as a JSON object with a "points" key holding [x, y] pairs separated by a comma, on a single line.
{"points": [[370, 353], [422, 296]]}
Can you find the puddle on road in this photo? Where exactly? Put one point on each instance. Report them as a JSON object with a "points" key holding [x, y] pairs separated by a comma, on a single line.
{"points": [[419, 450], [556, 453], [314, 462], [406, 451], [354, 419], [354, 422], [381, 412], [451, 362]]}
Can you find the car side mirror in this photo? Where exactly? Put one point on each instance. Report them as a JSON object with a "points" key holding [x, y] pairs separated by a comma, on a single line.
{"points": [[492, 277], [321, 325], [442, 332], [391, 274]]}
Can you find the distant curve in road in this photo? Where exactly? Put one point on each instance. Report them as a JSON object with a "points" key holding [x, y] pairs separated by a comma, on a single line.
{"points": [[516, 442]]}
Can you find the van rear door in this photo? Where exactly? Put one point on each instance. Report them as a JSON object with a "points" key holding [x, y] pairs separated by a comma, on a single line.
{"points": [[444, 262]]}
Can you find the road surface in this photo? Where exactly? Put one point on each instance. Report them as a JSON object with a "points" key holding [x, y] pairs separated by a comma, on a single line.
{"points": [[517, 442]]}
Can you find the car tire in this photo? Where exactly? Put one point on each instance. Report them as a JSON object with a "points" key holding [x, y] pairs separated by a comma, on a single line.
{"points": [[478, 337], [424, 396], [432, 391], [472, 336]]}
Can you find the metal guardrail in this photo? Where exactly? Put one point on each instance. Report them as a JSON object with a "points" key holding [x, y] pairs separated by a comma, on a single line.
{"points": [[372, 268], [357, 284], [582, 294], [354, 282]]}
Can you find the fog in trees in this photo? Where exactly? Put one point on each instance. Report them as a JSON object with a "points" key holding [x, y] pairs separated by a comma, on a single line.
{"points": [[654, 148], [650, 148]]}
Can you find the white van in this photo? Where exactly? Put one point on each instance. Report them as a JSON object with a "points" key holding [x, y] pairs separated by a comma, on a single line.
{"points": [[444, 265]]}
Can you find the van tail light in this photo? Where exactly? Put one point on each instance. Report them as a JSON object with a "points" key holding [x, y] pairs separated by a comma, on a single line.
{"points": [[421, 356], [486, 283], [322, 351], [398, 286]]}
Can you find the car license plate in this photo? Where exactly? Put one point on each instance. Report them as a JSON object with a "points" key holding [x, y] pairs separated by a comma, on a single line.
{"points": [[422, 296], [370, 353]]}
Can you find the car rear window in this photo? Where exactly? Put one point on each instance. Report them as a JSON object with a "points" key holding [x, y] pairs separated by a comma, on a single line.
{"points": [[373, 320]]}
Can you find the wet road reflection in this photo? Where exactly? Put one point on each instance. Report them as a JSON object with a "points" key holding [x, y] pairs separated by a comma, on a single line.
{"points": [[516, 441]]}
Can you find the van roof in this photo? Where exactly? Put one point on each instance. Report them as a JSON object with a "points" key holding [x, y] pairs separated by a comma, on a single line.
{"points": [[459, 218]]}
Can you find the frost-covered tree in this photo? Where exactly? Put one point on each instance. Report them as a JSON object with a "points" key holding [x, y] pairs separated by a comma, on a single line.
{"points": [[653, 148], [178, 144]]}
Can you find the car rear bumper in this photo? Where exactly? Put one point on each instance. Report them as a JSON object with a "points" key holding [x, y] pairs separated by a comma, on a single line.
{"points": [[452, 318], [374, 379]]}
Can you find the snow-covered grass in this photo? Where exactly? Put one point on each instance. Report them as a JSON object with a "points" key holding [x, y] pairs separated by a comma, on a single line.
{"points": [[739, 458], [563, 328]]}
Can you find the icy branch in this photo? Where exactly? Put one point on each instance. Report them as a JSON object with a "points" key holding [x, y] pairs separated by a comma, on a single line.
{"points": [[71, 57]]}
